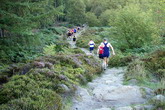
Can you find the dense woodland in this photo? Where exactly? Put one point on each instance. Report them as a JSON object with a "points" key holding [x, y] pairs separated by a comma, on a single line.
{"points": [[36, 61]]}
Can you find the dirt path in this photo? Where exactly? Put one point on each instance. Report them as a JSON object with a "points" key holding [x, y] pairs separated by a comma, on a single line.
{"points": [[107, 92], [73, 44]]}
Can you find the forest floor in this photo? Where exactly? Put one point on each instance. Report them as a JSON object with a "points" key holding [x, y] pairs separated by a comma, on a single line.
{"points": [[108, 92]]}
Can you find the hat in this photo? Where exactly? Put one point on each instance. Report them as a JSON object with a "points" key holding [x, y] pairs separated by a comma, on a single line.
{"points": [[105, 39]]}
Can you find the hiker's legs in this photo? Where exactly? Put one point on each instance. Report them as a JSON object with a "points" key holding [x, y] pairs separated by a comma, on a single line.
{"points": [[91, 49], [107, 60], [104, 62]]}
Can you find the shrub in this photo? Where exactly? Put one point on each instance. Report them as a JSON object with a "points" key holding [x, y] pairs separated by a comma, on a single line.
{"points": [[92, 19], [136, 70], [156, 61], [83, 41], [16, 88], [40, 99], [134, 28]]}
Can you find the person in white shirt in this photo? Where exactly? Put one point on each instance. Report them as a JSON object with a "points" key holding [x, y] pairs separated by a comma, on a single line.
{"points": [[91, 45], [106, 52]]}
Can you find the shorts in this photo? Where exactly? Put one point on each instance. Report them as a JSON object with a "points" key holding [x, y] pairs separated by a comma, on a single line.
{"points": [[101, 56], [91, 48], [74, 39], [106, 55]]}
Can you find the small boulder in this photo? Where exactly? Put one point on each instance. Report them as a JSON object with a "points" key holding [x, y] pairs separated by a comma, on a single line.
{"points": [[48, 65], [104, 109], [63, 88], [62, 77], [124, 108], [133, 82], [82, 78], [138, 107], [148, 107], [39, 64], [158, 99]]}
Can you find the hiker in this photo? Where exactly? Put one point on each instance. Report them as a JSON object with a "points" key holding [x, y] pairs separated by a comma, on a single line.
{"points": [[69, 34], [106, 52], [91, 45], [78, 28], [74, 39], [75, 30], [72, 31], [100, 51]]}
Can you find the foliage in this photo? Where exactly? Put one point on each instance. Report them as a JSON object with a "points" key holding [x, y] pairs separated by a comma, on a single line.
{"points": [[76, 11], [45, 78], [38, 99], [136, 70], [84, 43], [91, 19], [22, 16], [107, 15], [28, 48], [120, 59], [134, 29]]}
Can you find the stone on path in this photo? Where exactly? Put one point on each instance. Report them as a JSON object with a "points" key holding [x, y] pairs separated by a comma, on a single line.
{"points": [[107, 92]]}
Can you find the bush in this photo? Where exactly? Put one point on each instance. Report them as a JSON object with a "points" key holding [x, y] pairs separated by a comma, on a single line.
{"points": [[136, 70], [84, 40], [40, 99], [121, 59], [16, 88], [156, 60], [58, 30], [134, 28], [92, 19]]}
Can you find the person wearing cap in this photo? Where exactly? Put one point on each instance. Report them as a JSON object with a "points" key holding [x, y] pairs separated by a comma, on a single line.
{"points": [[106, 52]]}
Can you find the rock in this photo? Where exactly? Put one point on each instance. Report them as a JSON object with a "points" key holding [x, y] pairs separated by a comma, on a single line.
{"points": [[48, 65], [124, 108], [64, 88], [139, 107], [104, 109], [39, 64], [148, 107], [50, 73], [158, 99], [147, 92], [62, 77], [82, 78], [133, 81]]}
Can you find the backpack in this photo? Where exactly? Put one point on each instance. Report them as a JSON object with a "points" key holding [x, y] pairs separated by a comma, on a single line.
{"points": [[101, 50]]}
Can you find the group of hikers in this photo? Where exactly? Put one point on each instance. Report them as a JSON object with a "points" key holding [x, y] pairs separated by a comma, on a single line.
{"points": [[103, 51], [71, 33]]}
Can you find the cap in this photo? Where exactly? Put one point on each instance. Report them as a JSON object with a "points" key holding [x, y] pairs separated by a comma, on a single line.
{"points": [[105, 39]]}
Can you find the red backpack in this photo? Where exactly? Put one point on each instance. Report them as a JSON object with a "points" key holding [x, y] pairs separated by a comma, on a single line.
{"points": [[101, 50]]}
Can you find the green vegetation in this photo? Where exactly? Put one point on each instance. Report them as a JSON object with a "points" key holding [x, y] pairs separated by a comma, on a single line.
{"points": [[40, 83], [37, 66]]}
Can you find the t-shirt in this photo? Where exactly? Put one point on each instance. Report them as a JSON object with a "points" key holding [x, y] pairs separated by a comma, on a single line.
{"points": [[91, 44]]}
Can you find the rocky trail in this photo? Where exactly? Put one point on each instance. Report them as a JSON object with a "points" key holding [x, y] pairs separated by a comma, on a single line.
{"points": [[107, 92]]}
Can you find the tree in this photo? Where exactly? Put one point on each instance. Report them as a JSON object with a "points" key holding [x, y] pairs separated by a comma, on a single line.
{"points": [[76, 11], [20, 17], [91, 19], [107, 15], [135, 28]]}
